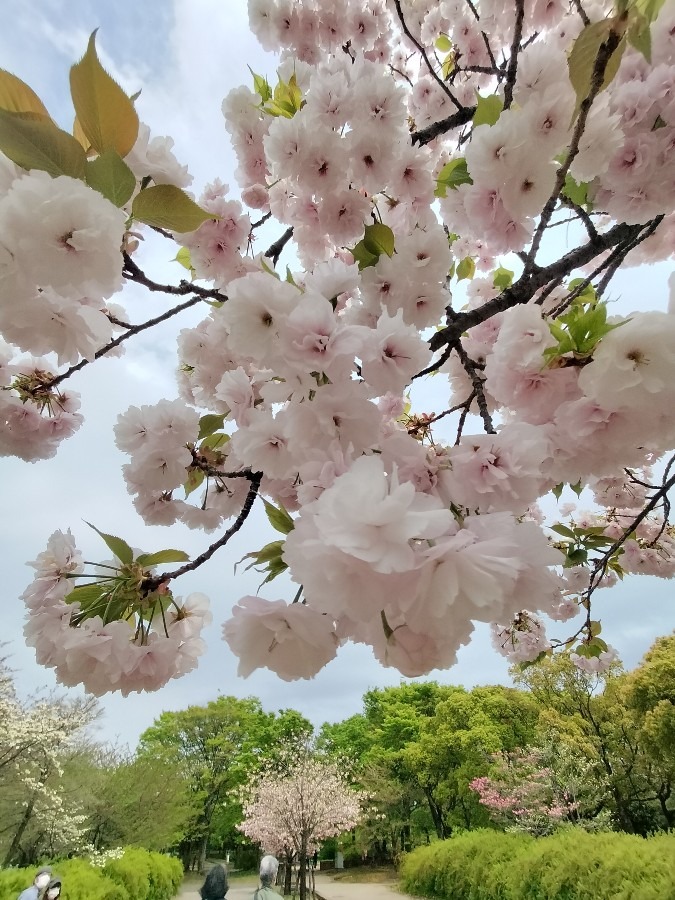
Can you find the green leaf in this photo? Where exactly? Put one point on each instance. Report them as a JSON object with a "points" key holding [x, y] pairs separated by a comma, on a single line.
{"points": [[466, 269], [488, 109], [574, 191], [595, 628], [261, 86], [362, 256], [502, 278], [33, 142], [289, 277], [183, 257], [87, 594], [640, 36], [577, 557], [443, 43], [379, 239], [451, 176], [209, 424], [161, 557], [107, 116], [577, 488], [167, 206], [563, 530], [650, 9], [279, 518], [17, 96], [214, 441], [118, 546], [195, 477], [111, 176], [557, 490], [581, 61]]}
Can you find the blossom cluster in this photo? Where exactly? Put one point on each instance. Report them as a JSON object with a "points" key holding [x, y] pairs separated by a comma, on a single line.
{"points": [[399, 174], [152, 639]]}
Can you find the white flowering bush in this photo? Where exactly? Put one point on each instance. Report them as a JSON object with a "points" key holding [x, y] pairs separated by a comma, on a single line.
{"points": [[420, 157]]}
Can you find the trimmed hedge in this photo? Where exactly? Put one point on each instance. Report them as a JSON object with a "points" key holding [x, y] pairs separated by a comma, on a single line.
{"points": [[138, 875], [569, 865]]}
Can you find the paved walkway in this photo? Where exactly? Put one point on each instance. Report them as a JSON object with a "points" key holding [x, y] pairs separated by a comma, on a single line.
{"points": [[328, 889]]}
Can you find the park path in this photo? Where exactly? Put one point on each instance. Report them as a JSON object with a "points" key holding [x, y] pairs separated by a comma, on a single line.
{"points": [[326, 889]]}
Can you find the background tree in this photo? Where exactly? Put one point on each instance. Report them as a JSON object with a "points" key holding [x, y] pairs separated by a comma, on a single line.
{"points": [[217, 748], [306, 802]]}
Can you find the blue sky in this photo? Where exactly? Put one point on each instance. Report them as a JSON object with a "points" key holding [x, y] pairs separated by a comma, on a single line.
{"points": [[185, 56]]}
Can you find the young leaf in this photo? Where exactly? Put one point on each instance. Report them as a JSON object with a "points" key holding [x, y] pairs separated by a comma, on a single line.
{"points": [[214, 441], [183, 257], [279, 518], [210, 423], [161, 557], [87, 594], [575, 191], [443, 43], [581, 61], [33, 142], [111, 176], [557, 490], [194, 479], [16, 96], [488, 109], [104, 111], [466, 269], [563, 530], [167, 206], [379, 239], [118, 546], [451, 176], [502, 278]]}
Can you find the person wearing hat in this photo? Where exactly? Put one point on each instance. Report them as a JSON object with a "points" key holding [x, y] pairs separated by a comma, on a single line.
{"points": [[269, 866], [40, 882]]}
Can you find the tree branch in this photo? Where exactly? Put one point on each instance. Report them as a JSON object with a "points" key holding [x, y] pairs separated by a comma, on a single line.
{"points": [[428, 134], [274, 251], [512, 69], [432, 71], [154, 582], [133, 273]]}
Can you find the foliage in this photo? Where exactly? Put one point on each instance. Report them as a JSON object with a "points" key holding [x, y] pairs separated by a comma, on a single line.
{"points": [[570, 865], [137, 875]]}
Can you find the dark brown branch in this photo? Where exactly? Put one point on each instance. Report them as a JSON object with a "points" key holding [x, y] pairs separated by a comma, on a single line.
{"points": [[529, 283], [622, 252], [605, 52], [600, 567], [582, 12], [512, 69], [115, 321], [163, 232], [274, 251], [261, 221], [133, 273], [133, 329], [471, 369], [156, 580], [426, 422], [434, 74], [428, 134], [583, 215]]}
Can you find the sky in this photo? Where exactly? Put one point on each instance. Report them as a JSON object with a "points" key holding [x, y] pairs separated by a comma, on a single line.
{"points": [[184, 56]]}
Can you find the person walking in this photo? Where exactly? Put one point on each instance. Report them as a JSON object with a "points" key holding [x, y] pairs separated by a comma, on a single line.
{"points": [[215, 885], [269, 866], [40, 882]]}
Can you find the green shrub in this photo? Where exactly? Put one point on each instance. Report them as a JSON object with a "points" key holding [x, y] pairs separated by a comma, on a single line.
{"points": [[138, 875], [569, 865]]}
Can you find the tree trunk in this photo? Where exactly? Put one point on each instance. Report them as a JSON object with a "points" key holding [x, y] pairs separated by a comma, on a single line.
{"points": [[288, 875], [18, 834], [302, 870]]}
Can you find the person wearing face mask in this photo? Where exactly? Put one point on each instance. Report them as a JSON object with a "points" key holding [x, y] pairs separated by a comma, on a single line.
{"points": [[40, 882], [53, 891]]}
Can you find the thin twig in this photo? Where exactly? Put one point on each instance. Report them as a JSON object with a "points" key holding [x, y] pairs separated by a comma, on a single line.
{"points": [[133, 273], [605, 52], [432, 71], [261, 221], [428, 134], [582, 12], [156, 580], [430, 421], [134, 329], [471, 369]]}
